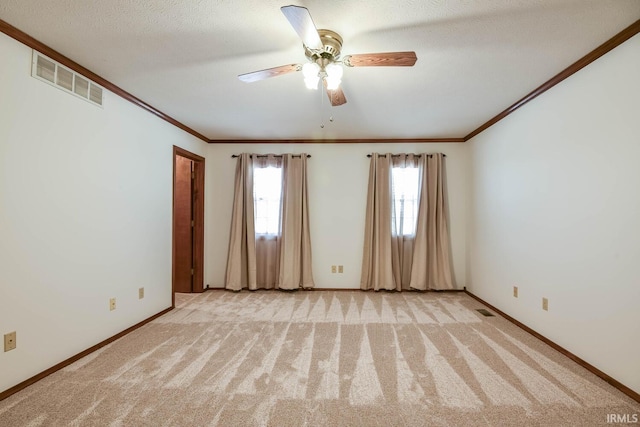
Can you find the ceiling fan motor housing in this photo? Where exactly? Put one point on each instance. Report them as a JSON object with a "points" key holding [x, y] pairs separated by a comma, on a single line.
{"points": [[331, 47], [322, 48]]}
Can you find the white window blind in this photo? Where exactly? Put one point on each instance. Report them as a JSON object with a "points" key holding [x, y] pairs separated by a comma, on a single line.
{"points": [[267, 195], [405, 188]]}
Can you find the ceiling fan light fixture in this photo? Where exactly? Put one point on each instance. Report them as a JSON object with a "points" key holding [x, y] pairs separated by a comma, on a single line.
{"points": [[334, 75], [310, 72], [323, 49]]}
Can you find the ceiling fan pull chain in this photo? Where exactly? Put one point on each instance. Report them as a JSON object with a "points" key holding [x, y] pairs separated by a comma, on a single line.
{"points": [[321, 108]]}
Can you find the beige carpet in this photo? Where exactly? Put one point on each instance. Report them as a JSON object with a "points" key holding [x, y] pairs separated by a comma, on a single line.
{"points": [[321, 359]]}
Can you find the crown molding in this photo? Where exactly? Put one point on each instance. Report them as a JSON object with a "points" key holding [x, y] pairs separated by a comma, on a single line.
{"points": [[337, 141], [607, 46], [29, 41]]}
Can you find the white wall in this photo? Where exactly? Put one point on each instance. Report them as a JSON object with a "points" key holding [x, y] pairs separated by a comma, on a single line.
{"points": [[85, 215], [551, 191], [555, 210], [338, 176]]}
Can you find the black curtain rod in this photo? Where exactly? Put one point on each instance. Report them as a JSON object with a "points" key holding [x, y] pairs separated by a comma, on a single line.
{"points": [[266, 155], [415, 155]]}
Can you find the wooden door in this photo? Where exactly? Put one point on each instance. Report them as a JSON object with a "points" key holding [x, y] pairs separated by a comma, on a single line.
{"points": [[183, 224], [188, 222]]}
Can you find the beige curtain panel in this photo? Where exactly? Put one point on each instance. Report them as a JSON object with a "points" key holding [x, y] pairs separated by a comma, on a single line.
{"points": [[282, 260], [396, 255], [295, 252], [377, 271]]}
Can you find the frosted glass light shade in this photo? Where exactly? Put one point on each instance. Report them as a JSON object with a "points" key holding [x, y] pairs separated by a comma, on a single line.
{"points": [[334, 76], [310, 72]]}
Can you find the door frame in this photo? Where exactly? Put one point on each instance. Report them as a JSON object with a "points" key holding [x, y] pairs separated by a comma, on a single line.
{"points": [[198, 221]]}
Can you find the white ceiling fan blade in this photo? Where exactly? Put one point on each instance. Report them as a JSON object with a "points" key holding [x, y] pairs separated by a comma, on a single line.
{"points": [[269, 72], [300, 19]]}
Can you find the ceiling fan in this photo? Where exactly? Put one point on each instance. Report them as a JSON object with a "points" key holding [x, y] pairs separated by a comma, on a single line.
{"points": [[322, 48]]}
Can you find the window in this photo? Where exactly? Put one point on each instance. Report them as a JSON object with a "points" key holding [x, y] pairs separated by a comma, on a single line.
{"points": [[405, 192], [267, 195]]}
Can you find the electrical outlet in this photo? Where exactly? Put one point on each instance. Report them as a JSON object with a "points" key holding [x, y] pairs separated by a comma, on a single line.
{"points": [[515, 291], [340, 269], [333, 268], [545, 304], [9, 341], [140, 293], [112, 304]]}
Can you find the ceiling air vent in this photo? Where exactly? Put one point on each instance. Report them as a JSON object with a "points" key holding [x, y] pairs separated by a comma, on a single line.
{"points": [[48, 70]]}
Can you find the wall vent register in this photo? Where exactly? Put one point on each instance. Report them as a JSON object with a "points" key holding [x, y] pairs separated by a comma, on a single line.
{"points": [[484, 312], [49, 71]]}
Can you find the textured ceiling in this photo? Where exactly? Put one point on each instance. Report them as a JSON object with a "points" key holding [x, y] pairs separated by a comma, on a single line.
{"points": [[475, 58]]}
